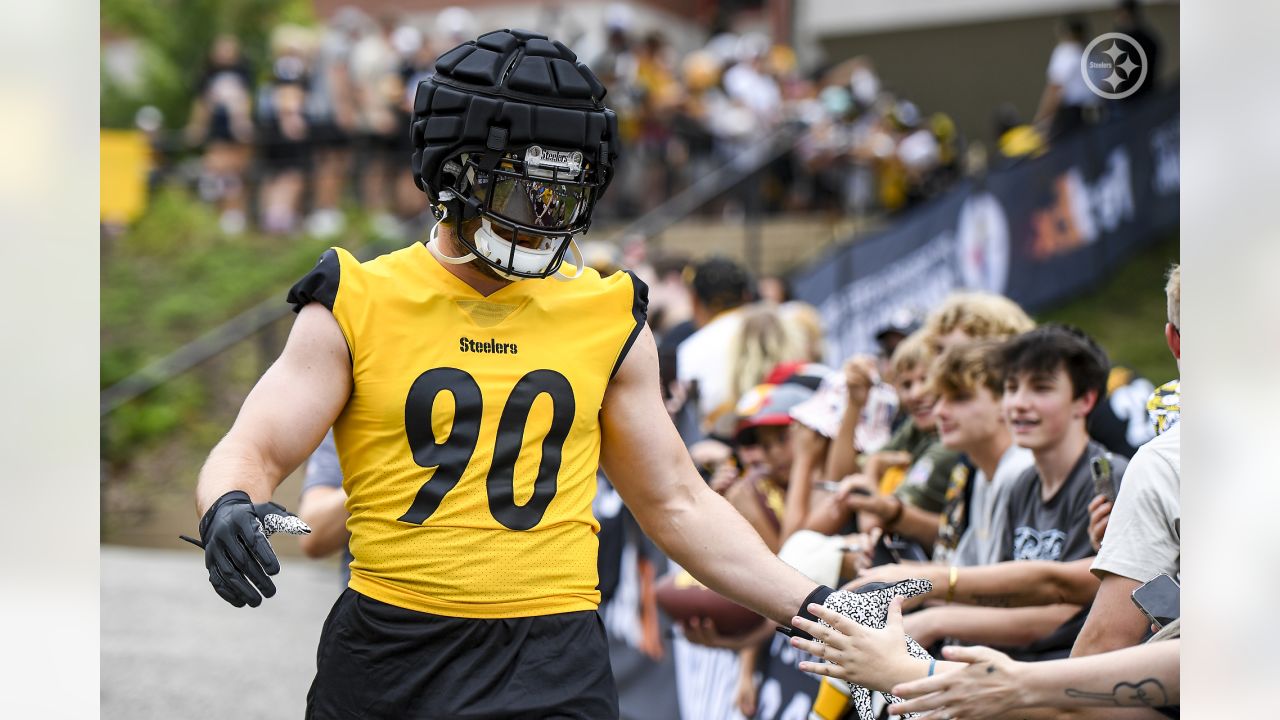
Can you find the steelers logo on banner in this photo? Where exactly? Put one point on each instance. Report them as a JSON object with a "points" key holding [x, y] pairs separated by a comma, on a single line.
{"points": [[982, 244]]}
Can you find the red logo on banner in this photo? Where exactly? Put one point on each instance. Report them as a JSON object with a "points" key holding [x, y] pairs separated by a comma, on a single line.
{"points": [[1057, 228]]}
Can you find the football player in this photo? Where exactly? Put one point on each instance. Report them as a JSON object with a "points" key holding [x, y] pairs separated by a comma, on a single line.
{"points": [[474, 384]]}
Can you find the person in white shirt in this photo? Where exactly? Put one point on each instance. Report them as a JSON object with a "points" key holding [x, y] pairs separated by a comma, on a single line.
{"points": [[720, 288], [1143, 536], [1066, 98]]}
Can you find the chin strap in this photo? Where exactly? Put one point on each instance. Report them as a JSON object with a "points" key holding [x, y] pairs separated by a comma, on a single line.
{"points": [[434, 246], [560, 274]]}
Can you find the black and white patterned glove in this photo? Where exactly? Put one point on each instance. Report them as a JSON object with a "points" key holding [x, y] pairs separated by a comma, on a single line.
{"points": [[869, 605], [233, 534]]}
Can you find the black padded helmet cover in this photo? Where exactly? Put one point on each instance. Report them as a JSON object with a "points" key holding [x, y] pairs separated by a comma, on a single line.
{"points": [[493, 98]]}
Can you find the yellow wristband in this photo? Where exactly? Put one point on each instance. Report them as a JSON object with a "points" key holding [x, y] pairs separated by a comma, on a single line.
{"points": [[951, 585]]}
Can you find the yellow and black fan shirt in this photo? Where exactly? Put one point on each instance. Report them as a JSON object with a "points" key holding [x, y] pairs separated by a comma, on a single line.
{"points": [[470, 442]]}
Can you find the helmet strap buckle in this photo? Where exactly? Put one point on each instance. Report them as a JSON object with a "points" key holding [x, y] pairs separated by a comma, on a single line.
{"points": [[495, 145]]}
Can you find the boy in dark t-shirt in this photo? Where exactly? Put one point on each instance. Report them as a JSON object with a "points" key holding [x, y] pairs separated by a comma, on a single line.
{"points": [[1052, 529], [1053, 377]]}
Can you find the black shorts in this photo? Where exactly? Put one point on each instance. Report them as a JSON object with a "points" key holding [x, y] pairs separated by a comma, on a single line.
{"points": [[381, 661]]}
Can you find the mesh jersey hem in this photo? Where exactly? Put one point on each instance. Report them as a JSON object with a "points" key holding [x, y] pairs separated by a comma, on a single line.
{"points": [[383, 591]]}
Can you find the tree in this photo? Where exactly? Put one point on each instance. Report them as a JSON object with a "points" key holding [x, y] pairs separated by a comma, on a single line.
{"points": [[175, 37]]}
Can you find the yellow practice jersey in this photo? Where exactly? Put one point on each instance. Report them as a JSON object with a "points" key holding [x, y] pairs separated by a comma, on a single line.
{"points": [[470, 443]]}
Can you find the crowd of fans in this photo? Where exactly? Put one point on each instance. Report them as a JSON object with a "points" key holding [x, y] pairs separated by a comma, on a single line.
{"points": [[966, 454], [976, 451], [326, 123]]}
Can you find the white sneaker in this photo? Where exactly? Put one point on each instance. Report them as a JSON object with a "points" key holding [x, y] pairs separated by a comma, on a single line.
{"points": [[386, 225], [326, 223]]}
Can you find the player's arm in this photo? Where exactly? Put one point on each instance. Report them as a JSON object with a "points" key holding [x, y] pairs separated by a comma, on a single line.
{"points": [[286, 414], [282, 420], [1017, 583], [1114, 622], [645, 460]]}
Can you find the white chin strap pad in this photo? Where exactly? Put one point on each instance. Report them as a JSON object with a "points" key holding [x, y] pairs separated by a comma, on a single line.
{"points": [[434, 246], [526, 260], [530, 261], [576, 263]]}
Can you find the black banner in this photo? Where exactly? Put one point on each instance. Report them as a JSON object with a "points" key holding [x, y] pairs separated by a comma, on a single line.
{"points": [[784, 693], [1040, 231]]}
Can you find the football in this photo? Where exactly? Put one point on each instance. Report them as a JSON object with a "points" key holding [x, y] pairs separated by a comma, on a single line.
{"points": [[684, 598]]}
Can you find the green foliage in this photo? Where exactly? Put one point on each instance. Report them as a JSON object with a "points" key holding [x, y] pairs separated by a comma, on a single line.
{"points": [[1126, 314], [175, 37], [170, 278]]}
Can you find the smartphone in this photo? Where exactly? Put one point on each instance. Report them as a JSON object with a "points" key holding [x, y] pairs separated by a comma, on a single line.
{"points": [[893, 549], [1158, 600], [1103, 478]]}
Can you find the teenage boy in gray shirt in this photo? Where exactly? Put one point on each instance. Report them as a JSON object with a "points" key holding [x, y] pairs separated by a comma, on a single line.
{"points": [[1053, 377]]}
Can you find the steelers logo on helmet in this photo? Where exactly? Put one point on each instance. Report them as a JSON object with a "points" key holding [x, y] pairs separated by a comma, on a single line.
{"points": [[512, 130]]}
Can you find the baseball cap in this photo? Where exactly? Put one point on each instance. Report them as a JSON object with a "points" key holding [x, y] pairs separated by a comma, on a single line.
{"points": [[768, 405], [824, 409], [798, 372]]}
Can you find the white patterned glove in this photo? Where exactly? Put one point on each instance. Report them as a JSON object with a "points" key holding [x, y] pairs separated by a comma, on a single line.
{"points": [[869, 605]]}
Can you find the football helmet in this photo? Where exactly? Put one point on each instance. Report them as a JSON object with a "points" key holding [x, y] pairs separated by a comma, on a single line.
{"points": [[512, 129]]}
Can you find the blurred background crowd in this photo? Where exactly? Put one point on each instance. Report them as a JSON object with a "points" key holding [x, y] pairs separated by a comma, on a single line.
{"points": [[294, 128], [242, 138]]}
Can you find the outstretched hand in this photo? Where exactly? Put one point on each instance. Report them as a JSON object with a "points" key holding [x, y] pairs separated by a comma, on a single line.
{"points": [[989, 686], [872, 657], [887, 573]]}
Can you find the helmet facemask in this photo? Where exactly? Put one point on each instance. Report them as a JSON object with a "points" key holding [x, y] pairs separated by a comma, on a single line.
{"points": [[541, 193]]}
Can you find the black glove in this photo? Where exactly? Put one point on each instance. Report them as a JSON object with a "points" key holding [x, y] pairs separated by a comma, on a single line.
{"points": [[817, 597], [233, 534]]}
